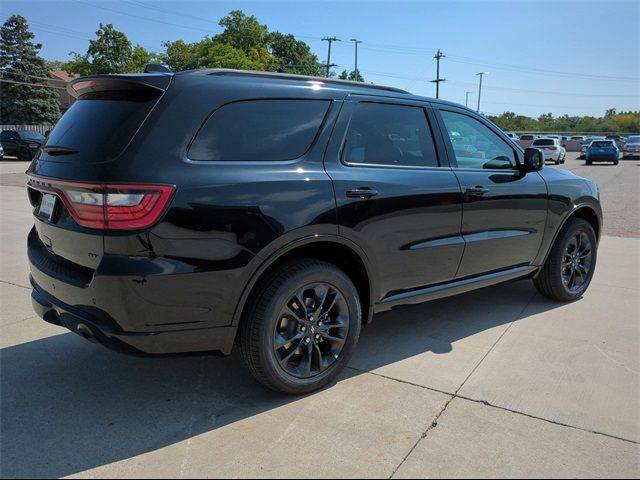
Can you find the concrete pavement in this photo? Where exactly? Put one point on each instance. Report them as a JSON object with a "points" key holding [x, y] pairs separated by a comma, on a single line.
{"points": [[497, 382]]}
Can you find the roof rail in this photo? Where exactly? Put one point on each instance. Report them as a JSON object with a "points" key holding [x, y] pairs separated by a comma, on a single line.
{"points": [[302, 78]]}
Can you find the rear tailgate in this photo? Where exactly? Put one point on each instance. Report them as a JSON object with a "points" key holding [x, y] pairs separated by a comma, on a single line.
{"points": [[68, 177]]}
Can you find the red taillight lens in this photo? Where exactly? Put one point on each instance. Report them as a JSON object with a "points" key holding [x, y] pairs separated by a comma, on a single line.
{"points": [[111, 206]]}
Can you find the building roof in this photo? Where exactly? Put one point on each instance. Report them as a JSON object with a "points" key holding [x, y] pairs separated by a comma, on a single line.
{"points": [[61, 75]]}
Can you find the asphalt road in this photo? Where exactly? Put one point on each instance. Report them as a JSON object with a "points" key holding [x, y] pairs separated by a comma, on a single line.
{"points": [[497, 382]]}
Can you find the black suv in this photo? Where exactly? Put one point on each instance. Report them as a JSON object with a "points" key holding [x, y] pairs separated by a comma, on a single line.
{"points": [[194, 211], [21, 143]]}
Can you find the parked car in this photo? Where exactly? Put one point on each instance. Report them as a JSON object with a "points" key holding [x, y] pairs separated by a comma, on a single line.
{"points": [[21, 143], [528, 137], [585, 145], [551, 148], [200, 210], [581, 138], [631, 147], [1, 153], [603, 151], [513, 136]]}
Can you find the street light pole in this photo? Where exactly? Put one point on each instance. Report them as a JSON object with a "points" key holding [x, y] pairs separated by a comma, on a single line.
{"points": [[466, 100], [356, 42], [480, 87]]}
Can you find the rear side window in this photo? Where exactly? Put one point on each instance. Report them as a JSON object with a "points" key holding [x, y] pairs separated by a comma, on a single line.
{"points": [[98, 126], [393, 135], [546, 142], [259, 130]]}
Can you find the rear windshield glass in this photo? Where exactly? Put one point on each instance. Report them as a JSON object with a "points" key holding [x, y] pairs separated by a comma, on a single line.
{"points": [[97, 127], [600, 143], [259, 130], [544, 142], [31, 135]]}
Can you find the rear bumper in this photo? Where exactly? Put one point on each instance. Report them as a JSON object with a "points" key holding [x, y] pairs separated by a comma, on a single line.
{"points": [[602, 158], [56, 312]]}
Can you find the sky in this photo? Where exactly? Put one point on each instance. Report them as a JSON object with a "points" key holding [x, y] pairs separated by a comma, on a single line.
{"points": [[559, 57]]}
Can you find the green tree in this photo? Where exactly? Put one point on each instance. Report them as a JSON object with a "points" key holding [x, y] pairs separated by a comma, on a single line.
{"points": [[20, 62], [353, 75], [293, 56], [242, 32], [110, 52]]}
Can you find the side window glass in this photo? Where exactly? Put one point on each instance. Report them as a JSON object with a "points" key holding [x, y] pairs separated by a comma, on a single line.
{"points": [[259, 130], [475, 145], [386, 134]]}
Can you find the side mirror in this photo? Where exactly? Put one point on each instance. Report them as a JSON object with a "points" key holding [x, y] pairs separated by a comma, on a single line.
{"points": [[533, 160]]}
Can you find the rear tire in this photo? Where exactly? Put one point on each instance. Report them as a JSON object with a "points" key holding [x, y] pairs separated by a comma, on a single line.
{"points": [[569, 268], [24, 155], [293, 337]]}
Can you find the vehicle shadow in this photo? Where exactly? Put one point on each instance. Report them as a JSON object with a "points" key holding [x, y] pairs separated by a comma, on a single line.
{"points": [[67, 406]]}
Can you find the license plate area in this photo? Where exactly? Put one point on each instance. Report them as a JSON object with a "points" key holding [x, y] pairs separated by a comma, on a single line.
{"points": [[47, 207]]}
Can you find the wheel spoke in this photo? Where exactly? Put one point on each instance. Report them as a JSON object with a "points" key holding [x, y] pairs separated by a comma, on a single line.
{"points": [[307, 360], [318, 353], [281, 340]]}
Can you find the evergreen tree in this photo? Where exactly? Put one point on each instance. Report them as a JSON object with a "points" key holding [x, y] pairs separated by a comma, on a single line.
{"points": [[28, 104]]}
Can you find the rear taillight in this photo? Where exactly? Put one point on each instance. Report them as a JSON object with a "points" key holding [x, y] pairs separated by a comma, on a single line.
{"points": [[109, 206]]}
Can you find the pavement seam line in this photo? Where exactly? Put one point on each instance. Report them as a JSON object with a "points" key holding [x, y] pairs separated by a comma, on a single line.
{"points": [[433, 424], [15, 284], [488, 404]]}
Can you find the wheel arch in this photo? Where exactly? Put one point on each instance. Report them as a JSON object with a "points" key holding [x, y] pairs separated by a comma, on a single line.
{"points": [[585, 211], [336, 250]]}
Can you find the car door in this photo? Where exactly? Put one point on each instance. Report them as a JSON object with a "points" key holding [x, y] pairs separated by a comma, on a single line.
{"points": [[396, 195], [504, 210]]}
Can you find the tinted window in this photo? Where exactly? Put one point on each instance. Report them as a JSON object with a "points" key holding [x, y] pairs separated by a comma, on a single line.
{"points": [[599, 143], [98, 126], [268, 130], [544, 142], [8, 135], [634, 139], [384, 134], [30, 135], [475, 145]]}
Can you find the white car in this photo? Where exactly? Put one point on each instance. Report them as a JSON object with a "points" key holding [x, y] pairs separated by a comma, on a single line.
{"points": [[551, 148]]}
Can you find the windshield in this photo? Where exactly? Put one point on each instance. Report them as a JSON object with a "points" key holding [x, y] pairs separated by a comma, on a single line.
{"points": [[634, 139], [30, 135], [544, 141]]}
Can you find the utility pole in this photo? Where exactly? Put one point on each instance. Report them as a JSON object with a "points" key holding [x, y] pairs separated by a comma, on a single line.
{"points": [[330, 40], [356, 42], [466, 100], [437, 81], [480, 87]]}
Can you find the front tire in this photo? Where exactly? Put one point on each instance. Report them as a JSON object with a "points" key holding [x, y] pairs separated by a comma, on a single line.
{"points": [[569, 268], [301, 326]]}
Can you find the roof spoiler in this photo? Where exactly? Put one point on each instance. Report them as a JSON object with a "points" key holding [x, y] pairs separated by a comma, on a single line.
{"points": [[144, 82]]}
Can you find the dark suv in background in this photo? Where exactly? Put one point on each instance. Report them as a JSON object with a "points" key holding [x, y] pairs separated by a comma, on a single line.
{"points": [[21, 143], [194, 211]]}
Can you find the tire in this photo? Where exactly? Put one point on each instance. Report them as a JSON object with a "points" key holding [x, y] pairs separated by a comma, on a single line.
{"points": [[24, 155], [273, 313], [615, 162], [587, 162], [552, 279]]}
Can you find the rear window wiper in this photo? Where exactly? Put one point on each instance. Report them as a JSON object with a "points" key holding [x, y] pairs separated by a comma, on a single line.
{"points": [[55, 150]]}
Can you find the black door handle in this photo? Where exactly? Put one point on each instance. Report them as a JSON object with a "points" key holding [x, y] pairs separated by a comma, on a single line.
{"points": [[362, 193], [476, 191]]}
